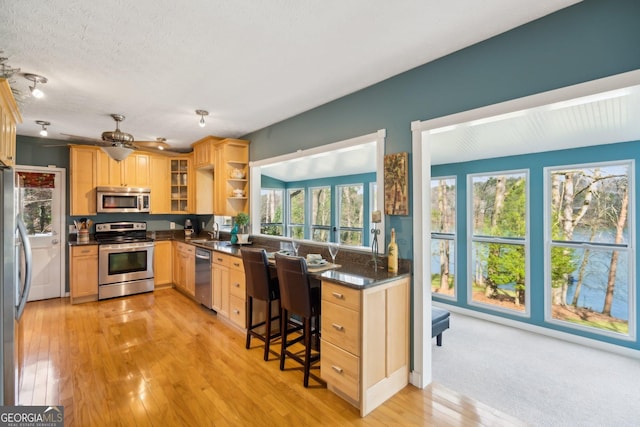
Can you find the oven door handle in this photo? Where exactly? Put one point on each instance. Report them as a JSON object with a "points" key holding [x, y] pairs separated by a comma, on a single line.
{"points": [[124, 248]]}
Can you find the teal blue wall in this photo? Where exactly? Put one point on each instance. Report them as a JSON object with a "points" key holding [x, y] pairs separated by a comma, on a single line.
{"points": [[590, 40], [534, 163]]}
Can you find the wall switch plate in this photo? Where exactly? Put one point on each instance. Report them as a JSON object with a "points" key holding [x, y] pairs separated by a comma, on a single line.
{"points": [[72, 229], [172, 225]]}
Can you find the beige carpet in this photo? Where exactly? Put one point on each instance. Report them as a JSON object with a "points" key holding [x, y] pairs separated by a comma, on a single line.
{"points": [[540, 380]]}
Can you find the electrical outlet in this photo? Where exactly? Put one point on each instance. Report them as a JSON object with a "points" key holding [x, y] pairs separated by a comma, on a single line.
{"points": [[72, 229], [202, 225], [172, 225]]}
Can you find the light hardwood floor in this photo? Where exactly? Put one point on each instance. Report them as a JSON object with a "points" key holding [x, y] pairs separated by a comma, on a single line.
{"points": [[160, 359]]}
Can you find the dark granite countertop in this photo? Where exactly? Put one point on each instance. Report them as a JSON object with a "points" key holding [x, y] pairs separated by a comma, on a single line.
{"points": [[356, 268], [355, 271]]}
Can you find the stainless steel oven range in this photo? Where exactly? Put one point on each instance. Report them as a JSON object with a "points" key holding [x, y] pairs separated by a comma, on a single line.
{"points": [[125, 259]]}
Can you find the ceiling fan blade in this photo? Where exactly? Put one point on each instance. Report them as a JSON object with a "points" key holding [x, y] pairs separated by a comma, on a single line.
{"points": [[95, 141], [152, 144]]}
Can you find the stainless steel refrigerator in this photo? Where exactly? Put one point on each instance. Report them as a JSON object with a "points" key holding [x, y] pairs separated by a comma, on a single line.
{"points": [[16, 282]]}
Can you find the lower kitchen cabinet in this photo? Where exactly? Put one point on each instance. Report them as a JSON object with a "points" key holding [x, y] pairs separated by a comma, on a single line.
{"points": [[237, 293], [365, 342], [184, 267], [162, 263], [83, 273], [220, 283]]}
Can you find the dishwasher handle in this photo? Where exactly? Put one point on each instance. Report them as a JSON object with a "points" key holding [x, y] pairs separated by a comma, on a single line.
{"points": [[203, 254]]}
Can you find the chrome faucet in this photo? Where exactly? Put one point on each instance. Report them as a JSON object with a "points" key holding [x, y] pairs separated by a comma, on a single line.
{"points": [[215, 235]]}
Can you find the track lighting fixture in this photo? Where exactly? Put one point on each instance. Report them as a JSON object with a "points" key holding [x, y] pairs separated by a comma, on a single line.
{"points": [[202, 113], [43, 131], [37, 93]]}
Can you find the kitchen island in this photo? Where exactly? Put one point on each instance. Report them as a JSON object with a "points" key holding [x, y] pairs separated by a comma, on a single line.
{"points": [[365, 328]]}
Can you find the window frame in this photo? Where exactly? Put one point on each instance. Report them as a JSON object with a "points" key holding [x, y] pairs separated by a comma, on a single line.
{"points": [[525, 241], [338, 203], [629, 248], [452, 237], [312, 225], [282, 207], [289, 224]]}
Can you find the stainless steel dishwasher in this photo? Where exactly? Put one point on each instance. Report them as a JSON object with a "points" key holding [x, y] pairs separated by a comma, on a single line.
{"points": [[203, 277]]}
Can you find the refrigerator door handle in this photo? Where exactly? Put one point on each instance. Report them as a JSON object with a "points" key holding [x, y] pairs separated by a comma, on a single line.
{"points": [[26, 245]]}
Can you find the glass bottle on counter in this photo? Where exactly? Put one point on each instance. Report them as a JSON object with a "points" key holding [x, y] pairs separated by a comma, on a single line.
{"points": [[392, 259]]}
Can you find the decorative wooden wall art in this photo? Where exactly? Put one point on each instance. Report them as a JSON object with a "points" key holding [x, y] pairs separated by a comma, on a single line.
{"points": [[396, 184]]}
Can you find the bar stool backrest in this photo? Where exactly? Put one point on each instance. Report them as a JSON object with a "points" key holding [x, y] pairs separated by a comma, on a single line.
{"points": [[295, 287], [260, 284]]}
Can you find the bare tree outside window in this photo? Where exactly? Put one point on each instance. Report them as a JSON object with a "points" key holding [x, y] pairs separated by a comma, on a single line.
{"points": [[590, 275]]}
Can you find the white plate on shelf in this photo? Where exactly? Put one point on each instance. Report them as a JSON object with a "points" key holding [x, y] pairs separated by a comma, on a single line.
{"points": [[317, 262]]}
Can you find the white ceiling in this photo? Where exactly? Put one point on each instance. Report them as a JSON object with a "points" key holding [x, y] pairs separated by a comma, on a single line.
{"points": [[249, 63], [599, 117]]}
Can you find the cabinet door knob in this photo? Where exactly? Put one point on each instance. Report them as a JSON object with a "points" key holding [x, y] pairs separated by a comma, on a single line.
{"points": [[338, 295], [338, 369], [337, 327]]}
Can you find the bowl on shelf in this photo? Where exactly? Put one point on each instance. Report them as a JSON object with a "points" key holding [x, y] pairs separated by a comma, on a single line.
{"points": [[237, 174], [238, 193]]}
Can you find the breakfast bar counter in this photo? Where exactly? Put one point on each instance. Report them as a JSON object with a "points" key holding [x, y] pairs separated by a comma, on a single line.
{"points": [[364, 354]]}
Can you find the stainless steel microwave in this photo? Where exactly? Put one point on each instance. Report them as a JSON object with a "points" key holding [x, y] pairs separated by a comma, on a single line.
{"points": [[124, 200]]}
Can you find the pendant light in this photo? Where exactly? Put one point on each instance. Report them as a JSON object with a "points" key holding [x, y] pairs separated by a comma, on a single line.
{"points": [[43, 131], [202, 113]]}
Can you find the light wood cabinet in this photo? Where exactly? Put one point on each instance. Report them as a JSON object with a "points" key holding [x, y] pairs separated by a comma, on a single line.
{"points": [[184, 267], [237, 293], [231, 155], [83, 179], [220, 283], [365, 342], [204, 152], [162, 263], [160, 184], [83, 273], [9, 117], [134, 171], [181, 185]]}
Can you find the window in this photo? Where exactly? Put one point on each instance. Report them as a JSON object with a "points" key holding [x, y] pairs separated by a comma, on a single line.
{"points": [[320, 214], [35, 194], [295, 225], [350, 212], [443, 229], [590, 276], [498, 268], [272, 211]]}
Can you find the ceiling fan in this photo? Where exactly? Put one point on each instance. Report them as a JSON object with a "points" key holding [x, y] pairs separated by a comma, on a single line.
{"points": [[118, 144]]}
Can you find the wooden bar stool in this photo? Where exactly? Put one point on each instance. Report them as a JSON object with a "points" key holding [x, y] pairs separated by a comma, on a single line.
{"points": [[298, 297], [262, 286]]}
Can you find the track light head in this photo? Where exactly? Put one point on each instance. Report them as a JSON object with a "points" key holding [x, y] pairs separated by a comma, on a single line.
{"points": [[35, 91]]}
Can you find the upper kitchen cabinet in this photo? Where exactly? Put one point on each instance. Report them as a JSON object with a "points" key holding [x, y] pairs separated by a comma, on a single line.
{"points": [[181, 185], [160, 184], [204, 152], [231, 177], [9, 117], [134, 171], [83, 179]]}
